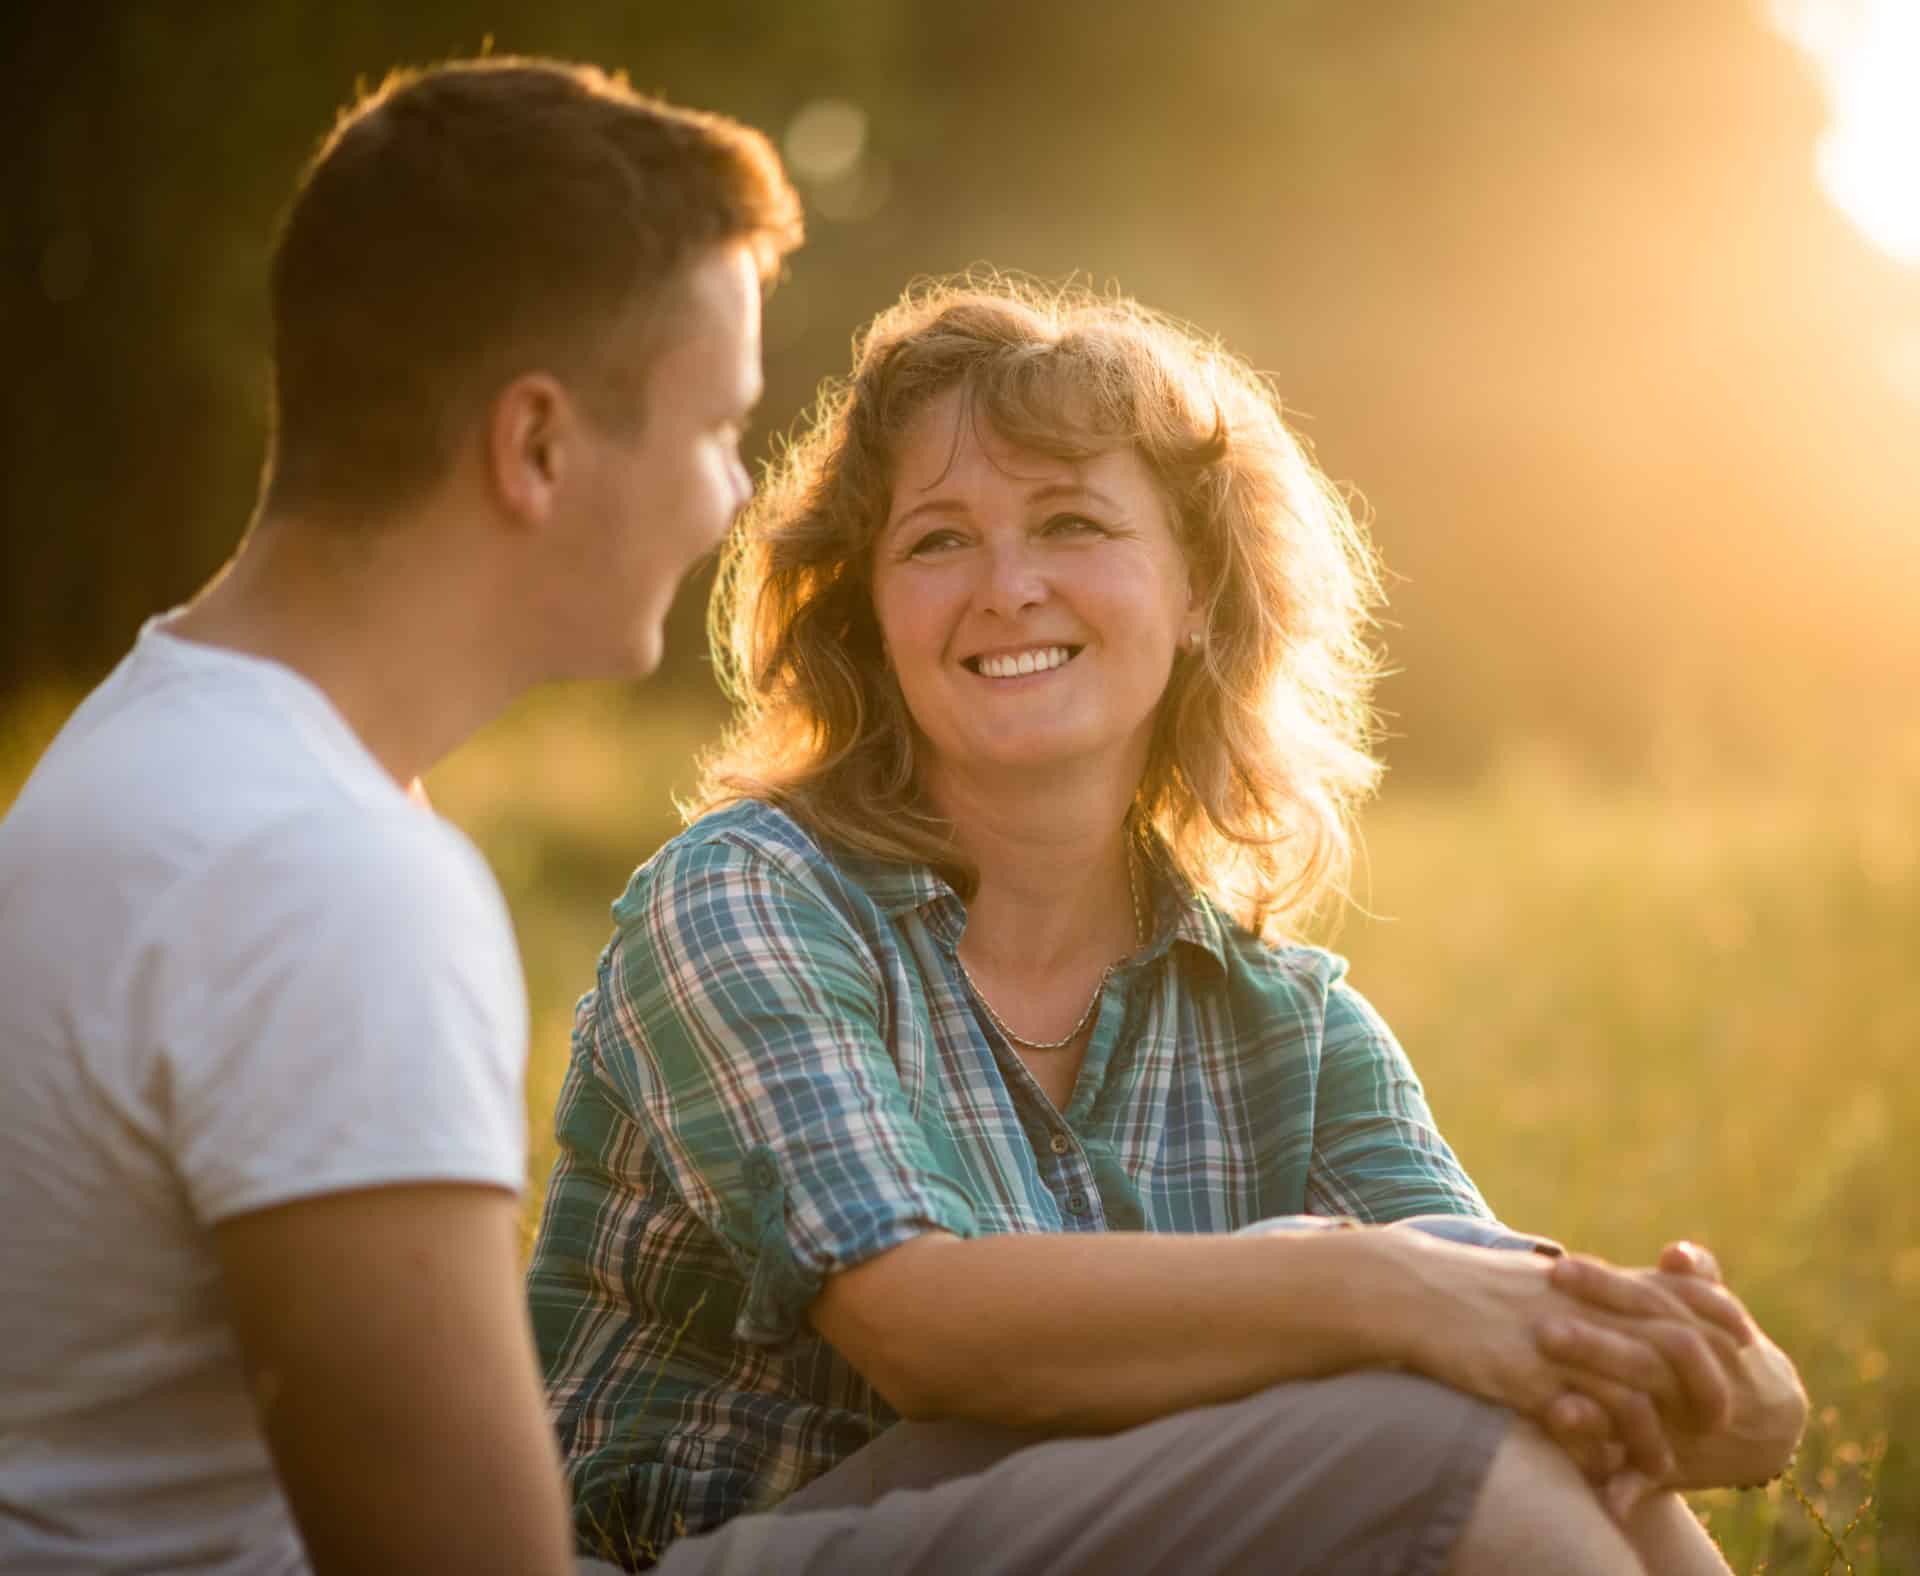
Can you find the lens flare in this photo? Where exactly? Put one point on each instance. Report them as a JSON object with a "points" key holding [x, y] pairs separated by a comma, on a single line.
{"points": [[1868, 160]]}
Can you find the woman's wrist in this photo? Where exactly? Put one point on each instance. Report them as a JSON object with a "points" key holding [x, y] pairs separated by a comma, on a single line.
{"points": [[1382, 1310]]}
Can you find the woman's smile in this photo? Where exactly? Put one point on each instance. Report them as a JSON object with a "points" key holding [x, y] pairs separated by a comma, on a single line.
{"points": [[1030, 661]]}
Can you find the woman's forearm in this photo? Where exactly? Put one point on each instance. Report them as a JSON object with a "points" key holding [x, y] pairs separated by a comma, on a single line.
{"points": [[1102, 1332]]}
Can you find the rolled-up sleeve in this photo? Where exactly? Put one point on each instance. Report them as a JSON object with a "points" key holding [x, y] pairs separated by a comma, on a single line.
{"points": [[745, 1023], [1377, 1154]]}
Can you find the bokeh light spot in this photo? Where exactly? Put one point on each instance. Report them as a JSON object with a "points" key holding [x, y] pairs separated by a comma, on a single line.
{"points": [[826, 139]]}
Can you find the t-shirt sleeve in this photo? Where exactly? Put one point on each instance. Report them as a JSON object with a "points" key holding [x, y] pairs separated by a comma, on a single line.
{"points": [[343, 1007], [741, 1020], [1377, 1153]]}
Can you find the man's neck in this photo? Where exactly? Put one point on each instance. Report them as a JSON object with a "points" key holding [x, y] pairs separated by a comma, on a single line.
{"points": [[398, 632]]}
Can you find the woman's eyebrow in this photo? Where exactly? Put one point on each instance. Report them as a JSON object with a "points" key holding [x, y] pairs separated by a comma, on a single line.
{"points": [[940, 506], [1050, 490], [1042, 492]]}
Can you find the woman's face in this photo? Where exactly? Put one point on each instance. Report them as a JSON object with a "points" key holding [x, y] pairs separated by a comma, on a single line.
{"points": [[1031, 606]]}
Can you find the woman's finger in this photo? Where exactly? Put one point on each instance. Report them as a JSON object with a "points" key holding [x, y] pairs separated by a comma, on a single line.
{"points": [[1573, 1413], [1701, 1367], [1596, 1460], [1713, 1303], [1630, 1360], [1608, 1286], [1623, 1491], [1579, 1425], [1690, 1258], [1675, 1290], [1636, 1425], [1682, 1364]]}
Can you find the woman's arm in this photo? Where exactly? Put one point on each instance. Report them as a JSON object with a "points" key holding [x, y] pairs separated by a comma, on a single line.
{"points": [[1098, 1332]]}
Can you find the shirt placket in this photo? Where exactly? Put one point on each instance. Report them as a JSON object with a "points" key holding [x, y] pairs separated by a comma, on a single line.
{"points": [[1069, 1177]]}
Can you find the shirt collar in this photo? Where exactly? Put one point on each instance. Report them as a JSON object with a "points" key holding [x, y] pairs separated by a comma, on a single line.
{"points": [[893, 886], [1180, 911]]}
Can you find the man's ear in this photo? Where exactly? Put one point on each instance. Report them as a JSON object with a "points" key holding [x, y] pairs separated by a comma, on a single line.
{"points": [[529, 443]]}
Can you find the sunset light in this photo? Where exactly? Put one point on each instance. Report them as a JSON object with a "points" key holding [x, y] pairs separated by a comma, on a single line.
{"points": [[863, 1071], [1868, 52]]}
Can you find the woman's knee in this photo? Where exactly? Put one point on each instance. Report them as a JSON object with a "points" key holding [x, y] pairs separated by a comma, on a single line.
{"points": [[1536, 1512], [1372, 1470]]}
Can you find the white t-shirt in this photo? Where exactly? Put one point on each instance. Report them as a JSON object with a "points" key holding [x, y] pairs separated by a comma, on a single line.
{"points": [[238, 966]]}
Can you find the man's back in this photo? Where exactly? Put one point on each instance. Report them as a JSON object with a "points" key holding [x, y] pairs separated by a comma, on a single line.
{"points": [[262, 1028], [238, 967]]}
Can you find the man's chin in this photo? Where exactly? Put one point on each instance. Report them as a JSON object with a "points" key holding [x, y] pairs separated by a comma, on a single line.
{"points": [[644, 653], [638, 658]]}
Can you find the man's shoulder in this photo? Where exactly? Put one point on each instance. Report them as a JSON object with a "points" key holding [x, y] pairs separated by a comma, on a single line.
{"points": [[198, 806], [174, 758], [186, 754]]}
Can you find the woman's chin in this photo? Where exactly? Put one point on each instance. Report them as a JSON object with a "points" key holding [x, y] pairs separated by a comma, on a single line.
{"points": [[1040, 755]]}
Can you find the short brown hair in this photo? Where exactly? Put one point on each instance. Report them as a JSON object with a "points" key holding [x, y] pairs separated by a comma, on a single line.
{"points": [[473, 221], [1261, 751]]}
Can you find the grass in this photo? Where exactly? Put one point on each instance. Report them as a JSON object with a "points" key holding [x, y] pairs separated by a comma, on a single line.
{"points": [[1643, 1016], [1640, 1015]]}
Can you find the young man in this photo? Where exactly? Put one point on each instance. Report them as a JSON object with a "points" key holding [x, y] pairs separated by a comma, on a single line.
{"points": [[262, 1024]]}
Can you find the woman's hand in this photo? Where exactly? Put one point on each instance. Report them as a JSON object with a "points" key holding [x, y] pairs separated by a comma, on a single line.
{"points": [[1655, 1357], [1478, 1323], [1748, 1440]]}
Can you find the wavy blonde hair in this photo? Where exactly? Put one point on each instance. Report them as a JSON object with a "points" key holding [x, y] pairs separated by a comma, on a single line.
{"points": [[1261, 749]]}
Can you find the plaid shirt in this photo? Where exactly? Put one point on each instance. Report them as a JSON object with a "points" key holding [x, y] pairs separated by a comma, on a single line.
{"points": [[781, 1073]]}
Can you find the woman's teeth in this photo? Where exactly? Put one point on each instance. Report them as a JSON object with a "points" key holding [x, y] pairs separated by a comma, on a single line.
{"points": [[1008, 667]]}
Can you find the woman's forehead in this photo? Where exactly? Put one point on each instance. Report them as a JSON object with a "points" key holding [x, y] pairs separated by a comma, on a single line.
{"points": [[955, 437]]}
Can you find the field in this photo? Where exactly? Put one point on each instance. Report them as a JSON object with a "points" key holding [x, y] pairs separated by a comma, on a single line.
{"points": [[1641, 1013]]}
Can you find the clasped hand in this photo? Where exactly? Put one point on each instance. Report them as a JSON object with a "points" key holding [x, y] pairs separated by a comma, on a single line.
{"points": [[1670, 1383]]}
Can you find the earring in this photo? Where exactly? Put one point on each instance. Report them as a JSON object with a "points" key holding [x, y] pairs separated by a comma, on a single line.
{"points": [[1193, 640]]}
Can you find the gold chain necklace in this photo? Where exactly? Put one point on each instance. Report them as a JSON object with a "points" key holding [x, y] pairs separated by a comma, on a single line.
{"points": [[1139, 940]]}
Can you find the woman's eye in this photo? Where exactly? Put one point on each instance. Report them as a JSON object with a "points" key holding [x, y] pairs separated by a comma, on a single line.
{"points": [[932, 542], [1073, 525]]}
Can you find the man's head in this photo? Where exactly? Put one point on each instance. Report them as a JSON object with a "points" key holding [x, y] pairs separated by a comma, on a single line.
{"points": [[469, 224]]}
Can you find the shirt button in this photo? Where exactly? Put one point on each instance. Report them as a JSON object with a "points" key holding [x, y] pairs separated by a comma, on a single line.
{"points": [[1077, 1202], [1060, 1144]]}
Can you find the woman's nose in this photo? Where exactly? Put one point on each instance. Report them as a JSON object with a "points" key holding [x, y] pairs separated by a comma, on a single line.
{"points": [[1013, 578]]}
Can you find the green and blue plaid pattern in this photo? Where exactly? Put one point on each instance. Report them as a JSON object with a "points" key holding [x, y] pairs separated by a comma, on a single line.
{"points": [[781, 1073]]}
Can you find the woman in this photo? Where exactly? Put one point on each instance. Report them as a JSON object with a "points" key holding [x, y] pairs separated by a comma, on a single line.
{"points": [[951, 1063]]}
